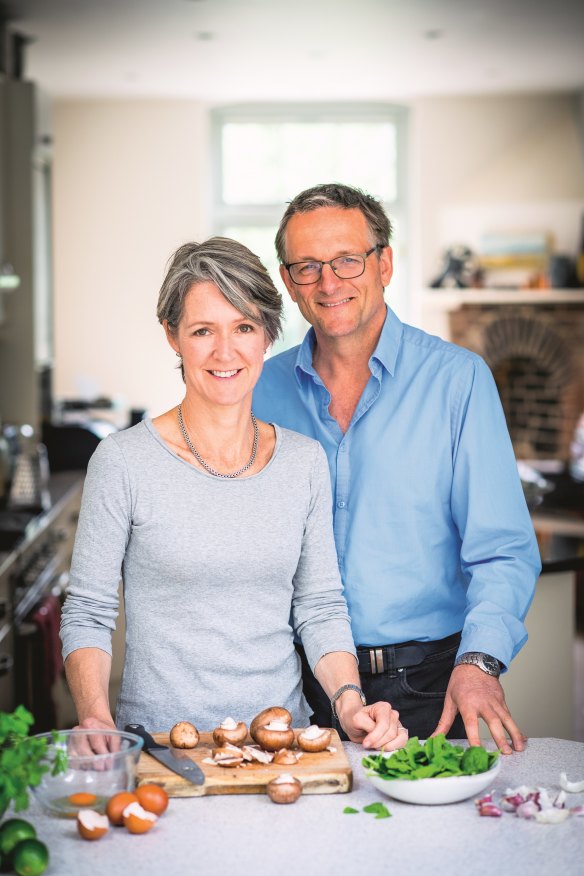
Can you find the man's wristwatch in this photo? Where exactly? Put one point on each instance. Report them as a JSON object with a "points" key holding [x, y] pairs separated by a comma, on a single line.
{"points": [[488, 664]]}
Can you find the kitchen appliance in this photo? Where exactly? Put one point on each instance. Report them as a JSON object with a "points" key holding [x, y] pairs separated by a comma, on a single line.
{"points": [[35, 556], [30, 481]]}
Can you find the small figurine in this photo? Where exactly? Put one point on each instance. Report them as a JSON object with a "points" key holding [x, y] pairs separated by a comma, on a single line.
{"points": [[461, 269]]}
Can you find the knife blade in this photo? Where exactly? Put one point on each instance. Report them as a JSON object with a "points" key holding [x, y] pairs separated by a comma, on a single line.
{"points": [[182, 766]]}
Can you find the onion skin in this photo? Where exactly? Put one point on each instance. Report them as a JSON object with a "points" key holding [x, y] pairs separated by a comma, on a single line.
{"points": [[273, 713]]}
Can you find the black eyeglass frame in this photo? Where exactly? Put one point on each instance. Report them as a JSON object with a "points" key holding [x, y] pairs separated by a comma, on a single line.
{"points": [[362, 255]]}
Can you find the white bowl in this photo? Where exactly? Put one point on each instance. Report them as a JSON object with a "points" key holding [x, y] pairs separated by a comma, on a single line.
{"points": [[436, 791]]}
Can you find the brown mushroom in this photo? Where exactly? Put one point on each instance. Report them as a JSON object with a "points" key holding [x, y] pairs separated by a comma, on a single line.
{"points": [[284, 789], [254, 752], [273, 713], [274, 736], [227, 755], [285, 757], [230, 731], [184, 735], [314, 738]]}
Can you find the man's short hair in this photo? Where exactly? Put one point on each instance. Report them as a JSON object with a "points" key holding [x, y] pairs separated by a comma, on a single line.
{"points": [[337, 195]]}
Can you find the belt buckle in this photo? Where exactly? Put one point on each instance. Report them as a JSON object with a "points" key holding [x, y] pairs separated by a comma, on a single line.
{"points": [[376, 661]]}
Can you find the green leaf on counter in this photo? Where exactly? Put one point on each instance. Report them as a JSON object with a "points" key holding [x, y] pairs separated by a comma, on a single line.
{"points": [[348, 810], [377, 809]]}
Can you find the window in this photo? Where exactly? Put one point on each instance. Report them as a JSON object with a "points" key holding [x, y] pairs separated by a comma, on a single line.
{"points": [[266, 155]]}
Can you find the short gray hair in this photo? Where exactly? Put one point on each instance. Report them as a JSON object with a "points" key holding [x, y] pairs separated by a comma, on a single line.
{"points": [[238, 274], [337, 195]]}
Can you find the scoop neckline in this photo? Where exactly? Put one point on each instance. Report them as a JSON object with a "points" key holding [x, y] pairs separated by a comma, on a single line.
{"points": [[153, 431]]}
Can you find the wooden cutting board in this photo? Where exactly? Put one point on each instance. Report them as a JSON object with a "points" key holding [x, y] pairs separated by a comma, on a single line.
{"points": [[323, 773]]}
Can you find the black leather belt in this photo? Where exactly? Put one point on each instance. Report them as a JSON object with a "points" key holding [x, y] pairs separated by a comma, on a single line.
{"points": [[387, 658]]}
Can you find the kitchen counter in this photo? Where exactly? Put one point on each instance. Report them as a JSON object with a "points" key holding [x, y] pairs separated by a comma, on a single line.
{"points": [[217, 836]]}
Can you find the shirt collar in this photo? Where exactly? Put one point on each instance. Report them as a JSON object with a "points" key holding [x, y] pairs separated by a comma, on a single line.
{"points": [[385, 353]]}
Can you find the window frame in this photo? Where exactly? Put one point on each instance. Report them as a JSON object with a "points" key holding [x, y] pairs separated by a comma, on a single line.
{"points": [[253, 215]]}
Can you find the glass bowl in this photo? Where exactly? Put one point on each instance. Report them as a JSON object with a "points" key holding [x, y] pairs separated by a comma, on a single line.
{"points": [[90, 779]]}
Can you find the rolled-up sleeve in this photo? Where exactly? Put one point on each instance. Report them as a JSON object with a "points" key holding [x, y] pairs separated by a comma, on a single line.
{"points": [[91, 607], [319, 609]]}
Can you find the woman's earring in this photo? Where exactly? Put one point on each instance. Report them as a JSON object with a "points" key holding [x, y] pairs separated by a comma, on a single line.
{"points": [[179, 355]]}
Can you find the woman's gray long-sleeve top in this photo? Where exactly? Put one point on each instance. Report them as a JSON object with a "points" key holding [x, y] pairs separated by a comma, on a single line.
{"points": [[215, 573]]}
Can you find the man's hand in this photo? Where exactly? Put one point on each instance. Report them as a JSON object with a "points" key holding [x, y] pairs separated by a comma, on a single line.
{"points": [[375, 726], [476, 695]]}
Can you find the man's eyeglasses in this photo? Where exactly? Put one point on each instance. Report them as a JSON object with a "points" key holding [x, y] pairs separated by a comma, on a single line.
{"points": [[347, 267]]}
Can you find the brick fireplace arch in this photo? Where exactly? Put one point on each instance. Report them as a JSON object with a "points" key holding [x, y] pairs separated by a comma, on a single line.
{"points": [[536, 354]]}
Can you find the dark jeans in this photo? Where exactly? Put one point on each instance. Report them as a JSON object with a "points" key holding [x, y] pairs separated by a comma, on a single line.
{"points": [[417, 692]]}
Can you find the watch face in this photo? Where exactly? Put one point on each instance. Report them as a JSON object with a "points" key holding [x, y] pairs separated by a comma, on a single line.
{"points": [[491, 664]]}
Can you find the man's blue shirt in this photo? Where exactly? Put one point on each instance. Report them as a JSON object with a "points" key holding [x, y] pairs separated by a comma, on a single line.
{"points": [[431, 526]]}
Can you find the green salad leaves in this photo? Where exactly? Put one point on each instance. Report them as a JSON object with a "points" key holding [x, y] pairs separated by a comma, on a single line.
{"points": [[432, 759]]}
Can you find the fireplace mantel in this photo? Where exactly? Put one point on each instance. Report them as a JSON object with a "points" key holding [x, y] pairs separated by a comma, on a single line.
{"points": [[452, 299], [436, 304]]}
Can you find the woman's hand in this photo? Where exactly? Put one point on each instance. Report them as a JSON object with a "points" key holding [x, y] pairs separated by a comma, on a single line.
{"points": [[375, 726]]}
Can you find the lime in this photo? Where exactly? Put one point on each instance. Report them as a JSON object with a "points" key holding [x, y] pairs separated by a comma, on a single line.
{"points": [[12, 831], [30, 857]]}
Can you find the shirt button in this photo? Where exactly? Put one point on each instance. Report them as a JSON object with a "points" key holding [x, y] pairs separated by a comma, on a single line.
{"points": [[341, 504]]}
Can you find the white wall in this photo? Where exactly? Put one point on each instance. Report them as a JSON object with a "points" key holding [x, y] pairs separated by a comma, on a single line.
{"points": [[495, 162], [131, 183]]}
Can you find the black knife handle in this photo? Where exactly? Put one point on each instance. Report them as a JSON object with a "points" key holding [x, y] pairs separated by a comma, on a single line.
{"points": [[139, 730]]}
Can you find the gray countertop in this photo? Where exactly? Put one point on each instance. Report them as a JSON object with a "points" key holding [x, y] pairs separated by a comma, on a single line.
{"points": [[250, 835]]}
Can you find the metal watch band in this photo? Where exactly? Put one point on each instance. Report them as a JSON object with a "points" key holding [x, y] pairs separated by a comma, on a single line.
{"points": [[488, 664], [341, 691]]}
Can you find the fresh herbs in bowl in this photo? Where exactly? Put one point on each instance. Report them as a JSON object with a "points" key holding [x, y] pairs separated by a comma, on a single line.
{"points": [[434, 758]]}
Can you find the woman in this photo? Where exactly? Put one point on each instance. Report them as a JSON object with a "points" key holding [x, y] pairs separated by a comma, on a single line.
{"points": [[221, 528]]}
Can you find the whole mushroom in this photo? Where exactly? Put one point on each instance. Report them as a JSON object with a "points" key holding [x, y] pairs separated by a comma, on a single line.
{"points": [[184, 735], [314, 738], [284, 789], [273, 713], [230, 731], [274, 736]]}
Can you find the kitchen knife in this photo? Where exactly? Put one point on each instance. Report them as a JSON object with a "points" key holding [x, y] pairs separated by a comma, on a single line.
{"points": [[183, 766]]}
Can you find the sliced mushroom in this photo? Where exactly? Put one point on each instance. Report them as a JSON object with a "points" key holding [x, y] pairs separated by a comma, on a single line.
{"points": [[230, 731], [314, 738], [227, 755], [285, 757], [284, 789], [274, 736], [184, 735], [274, 713], [253, 752]]}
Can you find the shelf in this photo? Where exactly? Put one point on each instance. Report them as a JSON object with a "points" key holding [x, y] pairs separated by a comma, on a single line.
{"points": [[449, 299]]}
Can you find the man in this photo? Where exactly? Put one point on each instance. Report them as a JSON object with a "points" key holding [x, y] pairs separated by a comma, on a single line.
{"points": [[434, 542]]}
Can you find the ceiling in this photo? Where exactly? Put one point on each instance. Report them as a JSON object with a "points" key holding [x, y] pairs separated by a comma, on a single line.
{"points": [[232, 50]]}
